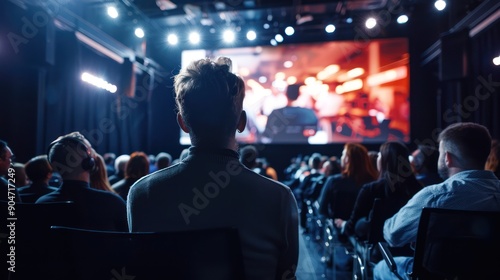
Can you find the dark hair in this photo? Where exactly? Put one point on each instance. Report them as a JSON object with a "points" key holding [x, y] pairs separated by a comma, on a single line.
{"points": [[248, 156], [315, 161], [68, 152], [395, 165], [292, 92], [425, 159], [38, 168], [469, 144], [210, 100], [163, 160], [137, 166]]}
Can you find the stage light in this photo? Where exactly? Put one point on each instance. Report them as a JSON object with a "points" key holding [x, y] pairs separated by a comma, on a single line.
{"points": [[288, 64], [440, 5], [402, 19], [228, 36], [98, 82], [330, 28], [289, 31], [194, 37], [251, 35], [370, 23], [112, 12], [139, 32], [172, 39], [496, 60], [278, 38]]}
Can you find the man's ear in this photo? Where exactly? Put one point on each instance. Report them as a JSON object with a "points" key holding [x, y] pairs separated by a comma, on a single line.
{"points": [[181, 123], [242, 122], [448, 159]]}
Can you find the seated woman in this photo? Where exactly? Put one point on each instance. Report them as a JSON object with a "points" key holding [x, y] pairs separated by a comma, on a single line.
{"points": [[395, 186]]}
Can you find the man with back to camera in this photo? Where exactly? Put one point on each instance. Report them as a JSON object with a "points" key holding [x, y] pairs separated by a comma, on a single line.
{"points": [[71, 156], [463, 150], [210, 188], [290, 124]]}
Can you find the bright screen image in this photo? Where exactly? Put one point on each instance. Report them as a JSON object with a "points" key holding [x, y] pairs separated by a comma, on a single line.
{"points": [[320, 93]]}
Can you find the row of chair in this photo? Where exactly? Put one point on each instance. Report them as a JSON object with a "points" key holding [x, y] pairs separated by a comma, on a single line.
{"points": [[48, 246]]}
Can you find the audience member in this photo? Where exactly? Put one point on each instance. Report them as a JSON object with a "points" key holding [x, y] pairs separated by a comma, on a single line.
{"points": [[109, 161], [7, 188], [99, 176], [137, 167], [395, 186], [373, 155], [305, 185], [424, 163], [21, 178], [211, 188], [39, 172], [71, 156], [290, 124], [463, 150], [163, 160], [152, 163], [120, 163], [493, 162]]}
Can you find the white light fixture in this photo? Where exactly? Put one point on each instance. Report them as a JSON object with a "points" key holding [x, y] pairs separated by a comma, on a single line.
{"points": [[228, 36], [370, 23], [273, 42], [279, 38], [172, 39], [440, 5], [112, 12], [139, 32], [251, 35], [289, 31], [330, 28], [496, 60], [288, 64], [194, 38], [98, 82], [402, 19], [266, 26], [349, 20]]}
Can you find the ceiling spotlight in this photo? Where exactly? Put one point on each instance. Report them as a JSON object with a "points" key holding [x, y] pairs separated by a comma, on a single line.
{"points": [[402, 19], [349, 20], [139, 32], [112, 12], [266, 26], [289, 31], [440, 5], [273, 42], [279, 38], [370, 23], [194, 37], [330, 28], [228, 36], [496, 60], [172, 39], [251, 35]]}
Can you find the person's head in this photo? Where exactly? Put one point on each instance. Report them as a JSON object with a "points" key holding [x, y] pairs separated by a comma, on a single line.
{"points": [[20, 174], [72, 156], [394, 164], [373, 155], [463, 146], [331, 166], [38, 169], [356, 164], [493, 162], [293, 92], [120, 163], [315, 161], [6, 158], [99, 177], [209, 99], [248, 156], [109, 158], [424, 159], [137, 166], [163, 160]]}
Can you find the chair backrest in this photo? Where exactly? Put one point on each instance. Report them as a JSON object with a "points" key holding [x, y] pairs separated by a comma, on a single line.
{"points": [[26, 227], [197, 254], [457, 244]]}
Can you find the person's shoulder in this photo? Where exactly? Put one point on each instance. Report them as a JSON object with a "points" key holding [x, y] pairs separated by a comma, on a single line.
{"points": [[106, 195], [50, 197]]}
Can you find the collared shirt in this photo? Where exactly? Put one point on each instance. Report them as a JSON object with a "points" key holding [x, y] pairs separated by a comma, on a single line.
{"points": [[466, 190]]}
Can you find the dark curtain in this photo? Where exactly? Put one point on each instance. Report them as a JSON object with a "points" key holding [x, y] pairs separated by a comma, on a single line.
{"points": [[113, 122], [485, 79]]}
